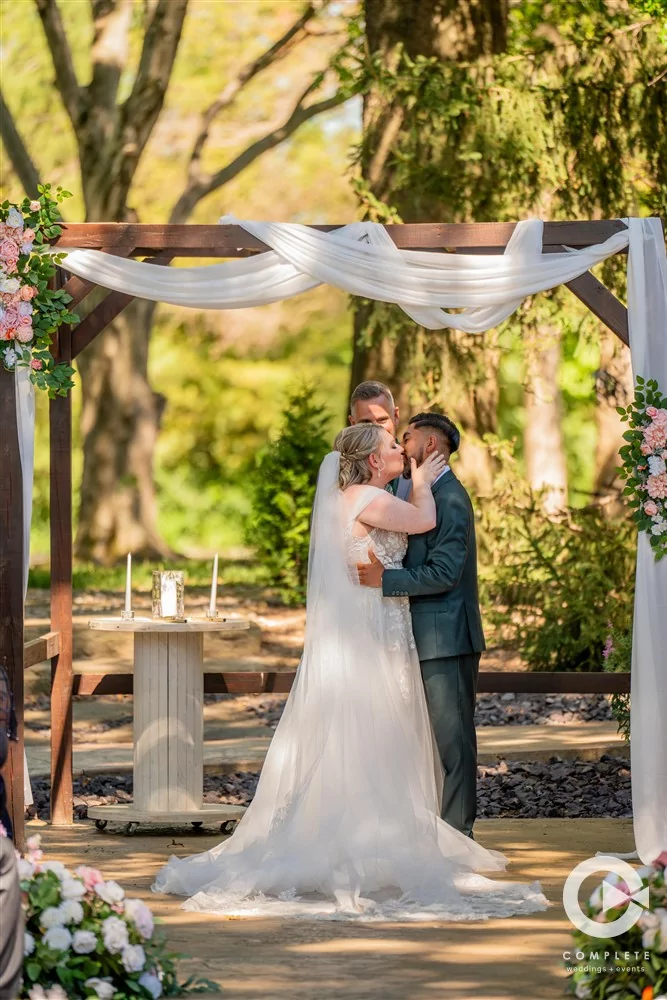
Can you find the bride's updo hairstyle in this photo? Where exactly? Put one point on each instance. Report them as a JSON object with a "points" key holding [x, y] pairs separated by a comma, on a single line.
{"points": [[356, 444]]}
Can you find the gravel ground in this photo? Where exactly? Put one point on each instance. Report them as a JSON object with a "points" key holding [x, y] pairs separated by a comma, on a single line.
{"points": [[509, 789], [498, 710]]}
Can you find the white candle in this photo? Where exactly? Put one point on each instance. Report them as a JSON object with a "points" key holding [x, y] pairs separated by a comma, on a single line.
{"points": [[128, 584], [214, 587], [168, 597]]}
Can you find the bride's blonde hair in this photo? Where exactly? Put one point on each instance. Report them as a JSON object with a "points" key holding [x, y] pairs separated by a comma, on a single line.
{"points": [[356, 444]]}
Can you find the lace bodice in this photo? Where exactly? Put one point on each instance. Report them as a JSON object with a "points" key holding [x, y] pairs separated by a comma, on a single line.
{"points": [[389, 546]]}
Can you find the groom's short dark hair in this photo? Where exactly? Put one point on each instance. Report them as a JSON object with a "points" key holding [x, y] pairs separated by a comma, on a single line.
{"points": [[440, 423]]}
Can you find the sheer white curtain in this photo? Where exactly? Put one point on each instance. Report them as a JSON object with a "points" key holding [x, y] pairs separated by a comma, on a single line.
{"points": [[362, 259], [25, 420]]}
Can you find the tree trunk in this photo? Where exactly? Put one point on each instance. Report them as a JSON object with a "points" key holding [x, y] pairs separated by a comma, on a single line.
{"points": [[388, 345], [614, 388], [119, 424], [546, 466]]}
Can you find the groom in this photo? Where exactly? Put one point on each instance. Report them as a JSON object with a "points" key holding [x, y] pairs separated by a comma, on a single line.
{"points": [[440, 578]]}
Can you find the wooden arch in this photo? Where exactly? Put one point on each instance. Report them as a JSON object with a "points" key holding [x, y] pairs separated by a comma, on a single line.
{"points": [[160, 244]]}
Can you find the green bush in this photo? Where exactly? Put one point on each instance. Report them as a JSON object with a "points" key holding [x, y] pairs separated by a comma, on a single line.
{"points": [[552, 582], [283, 490], [617, 654]]}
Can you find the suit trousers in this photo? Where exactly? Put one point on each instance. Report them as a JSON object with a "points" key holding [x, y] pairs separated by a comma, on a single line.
{"points": [[451, 688]]}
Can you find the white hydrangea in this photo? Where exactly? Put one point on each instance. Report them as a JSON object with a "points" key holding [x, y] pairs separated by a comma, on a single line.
{"points": [[115, 934], [150, 982], [52, 916], [72, 888], [57, 867], [84, 942], [57, 938], [133, 958], [659, 525], [104, 988], [656, 465], [26, 869], [110, 892], [28, 944], [72, 910], [141, 916]]}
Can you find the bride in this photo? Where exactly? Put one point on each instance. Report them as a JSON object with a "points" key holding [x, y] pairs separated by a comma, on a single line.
{"points": [[345, 822]]}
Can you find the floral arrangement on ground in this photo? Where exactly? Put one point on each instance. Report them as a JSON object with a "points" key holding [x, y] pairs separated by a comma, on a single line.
{"points": [[30, 310], [645, 462], [85, 938], [643, 946]]}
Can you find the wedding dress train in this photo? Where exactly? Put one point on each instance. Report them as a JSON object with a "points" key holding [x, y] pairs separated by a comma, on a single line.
{"points": [[345, 822]]}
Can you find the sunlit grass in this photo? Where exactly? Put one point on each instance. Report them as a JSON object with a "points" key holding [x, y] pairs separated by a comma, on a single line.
{"points": [[88, 576]]}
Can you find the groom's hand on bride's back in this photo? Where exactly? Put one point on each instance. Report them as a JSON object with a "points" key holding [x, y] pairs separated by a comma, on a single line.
{"points": [[370, 574]]}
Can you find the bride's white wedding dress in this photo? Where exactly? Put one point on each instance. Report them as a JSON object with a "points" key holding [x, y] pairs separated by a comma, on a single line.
{"points": [[345, 822]]}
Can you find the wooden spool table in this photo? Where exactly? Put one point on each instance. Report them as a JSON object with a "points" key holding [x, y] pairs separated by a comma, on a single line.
{"points": [[168, 724]]}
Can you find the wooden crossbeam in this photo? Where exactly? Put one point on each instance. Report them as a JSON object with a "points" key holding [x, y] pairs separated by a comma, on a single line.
{"points": [[602, 303], [489, 682], [232, 240], [43, 648]]}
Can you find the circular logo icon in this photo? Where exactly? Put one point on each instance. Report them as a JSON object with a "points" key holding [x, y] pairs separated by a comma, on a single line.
{"points": [[636, 897]]}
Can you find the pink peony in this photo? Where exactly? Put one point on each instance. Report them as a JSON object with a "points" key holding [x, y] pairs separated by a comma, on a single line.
{"points": [[25, 334], [651, 508], [657, 486], [36, 364], [651, 411], [35, 206], [655, 436]]}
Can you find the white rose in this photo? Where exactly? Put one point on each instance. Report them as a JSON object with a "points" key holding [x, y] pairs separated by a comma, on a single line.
{"points": [[57, 938], [56, 993], [14, 219], [72, 888], [26, 869], [72, 910], [151, 983], [115, 934], [582, 991], [110, 892], [52, 916], [37, 993], [141, 916], [9, 285], [28, 943], [57, 867], [648, 921], [104, 989], [649, 936], [84, 942], [133, 958]]}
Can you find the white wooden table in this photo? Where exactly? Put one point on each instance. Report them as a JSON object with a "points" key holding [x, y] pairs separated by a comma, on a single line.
{"points": [[168, 724]]}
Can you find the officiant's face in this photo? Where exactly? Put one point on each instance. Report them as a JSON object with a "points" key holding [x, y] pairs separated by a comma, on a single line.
{"points": [[375, 411]]}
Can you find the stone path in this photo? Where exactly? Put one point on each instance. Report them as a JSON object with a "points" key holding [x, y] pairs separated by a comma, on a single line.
{"points": [[230, 752], [519, 958]]}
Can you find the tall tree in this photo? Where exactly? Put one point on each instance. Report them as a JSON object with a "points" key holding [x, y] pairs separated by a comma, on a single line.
{"points": [[120, 414]]}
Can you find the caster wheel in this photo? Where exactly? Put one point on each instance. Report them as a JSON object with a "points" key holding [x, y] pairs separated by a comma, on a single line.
{"points": [[130, 829], [198, 825], [101, 824], [228, 826]]}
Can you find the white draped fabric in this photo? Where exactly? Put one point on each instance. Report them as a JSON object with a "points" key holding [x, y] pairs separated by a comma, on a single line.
{"points": [[362, 259], [25, 421]]}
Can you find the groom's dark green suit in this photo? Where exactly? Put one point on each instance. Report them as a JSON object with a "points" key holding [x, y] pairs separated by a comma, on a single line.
{"points": [[440, 578]]}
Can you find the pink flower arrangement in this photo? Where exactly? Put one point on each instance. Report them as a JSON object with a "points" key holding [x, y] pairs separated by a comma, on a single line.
{"points": [[644, 462]]}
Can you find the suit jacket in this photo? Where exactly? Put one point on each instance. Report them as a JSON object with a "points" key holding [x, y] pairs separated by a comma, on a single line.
{"points": [[439, 576]]}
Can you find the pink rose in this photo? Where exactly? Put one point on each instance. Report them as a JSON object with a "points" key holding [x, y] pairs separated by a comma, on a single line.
{"points": [[8, 249], [645, 448], [29, 235], [651, 411], [24, 333], [25, 320], [11, 318], [651, 508], [26, 292], [657, 486], [35, 206], [36, 364]]}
